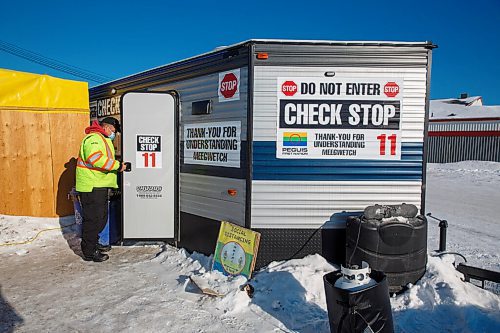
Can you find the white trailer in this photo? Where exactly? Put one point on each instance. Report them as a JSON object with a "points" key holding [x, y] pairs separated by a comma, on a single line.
{"points": [[278, 136]]}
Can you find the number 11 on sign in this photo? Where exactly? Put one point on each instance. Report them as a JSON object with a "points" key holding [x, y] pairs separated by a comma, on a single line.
{"points": [[148, 160], [382, 138], [148, 156]]}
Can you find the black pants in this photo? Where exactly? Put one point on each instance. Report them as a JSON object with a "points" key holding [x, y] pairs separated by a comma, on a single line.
{"points": [[95, 216]]}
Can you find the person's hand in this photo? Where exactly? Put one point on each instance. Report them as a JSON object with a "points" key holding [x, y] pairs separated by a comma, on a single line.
{"points": [[123, 167]]}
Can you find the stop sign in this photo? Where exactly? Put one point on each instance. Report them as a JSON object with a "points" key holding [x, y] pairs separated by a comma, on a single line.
{"points": [[289, 88], [391, 89], [229, 85]]}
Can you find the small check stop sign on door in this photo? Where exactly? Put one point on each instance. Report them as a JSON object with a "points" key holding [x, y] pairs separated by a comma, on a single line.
{"points": [[148, 153]]}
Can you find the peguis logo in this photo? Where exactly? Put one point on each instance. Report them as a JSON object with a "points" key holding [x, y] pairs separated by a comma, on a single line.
{"points": [[295, 139]]}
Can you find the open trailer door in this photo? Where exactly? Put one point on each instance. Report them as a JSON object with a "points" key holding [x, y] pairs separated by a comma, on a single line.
{"points": [[149, 143]]}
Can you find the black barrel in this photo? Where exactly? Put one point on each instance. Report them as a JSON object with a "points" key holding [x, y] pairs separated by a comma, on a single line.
{"points": [[353, 311], [396, 246]]}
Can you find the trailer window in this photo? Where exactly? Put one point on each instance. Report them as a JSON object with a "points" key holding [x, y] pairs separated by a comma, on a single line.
{"points": [[201, 107]]}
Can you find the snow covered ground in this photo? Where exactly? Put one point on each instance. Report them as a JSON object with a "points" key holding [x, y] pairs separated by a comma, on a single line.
{"points": [[467, 195], [46, 287]]}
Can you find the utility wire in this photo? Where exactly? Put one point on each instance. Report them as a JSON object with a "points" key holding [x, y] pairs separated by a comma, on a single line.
{"points": [[52, 63], [38, 58], [35, 57]]}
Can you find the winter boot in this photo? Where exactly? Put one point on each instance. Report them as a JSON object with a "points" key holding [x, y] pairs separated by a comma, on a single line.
{"points": [[97, 256]]}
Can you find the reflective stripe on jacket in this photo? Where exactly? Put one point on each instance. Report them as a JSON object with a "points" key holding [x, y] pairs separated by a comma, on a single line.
{"points": [[96, 165]]}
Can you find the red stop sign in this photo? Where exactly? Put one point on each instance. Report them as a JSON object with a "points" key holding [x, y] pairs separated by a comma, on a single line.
{"points": [[229, 85], [289, 88], [391, 89]]}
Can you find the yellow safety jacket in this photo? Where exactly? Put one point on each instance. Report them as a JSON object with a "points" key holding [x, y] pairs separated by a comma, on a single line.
{"points": [[96, 165]]}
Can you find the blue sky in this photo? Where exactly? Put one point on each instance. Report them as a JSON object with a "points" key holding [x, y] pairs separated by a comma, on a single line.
{"points": [[118, 38]]}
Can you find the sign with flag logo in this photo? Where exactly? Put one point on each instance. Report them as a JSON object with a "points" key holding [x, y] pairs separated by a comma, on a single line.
{"points": [[339, 118], [295, 139]]}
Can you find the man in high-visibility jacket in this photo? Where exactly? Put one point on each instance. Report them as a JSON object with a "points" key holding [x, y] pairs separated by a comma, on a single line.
{"points": [[96, 173]]}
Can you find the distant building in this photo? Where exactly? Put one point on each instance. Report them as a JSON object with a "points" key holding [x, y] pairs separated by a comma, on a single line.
{"points": [[463, 129]]}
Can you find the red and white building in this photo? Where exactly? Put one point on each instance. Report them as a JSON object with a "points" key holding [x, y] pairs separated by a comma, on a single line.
{"points": [[463, 129]]}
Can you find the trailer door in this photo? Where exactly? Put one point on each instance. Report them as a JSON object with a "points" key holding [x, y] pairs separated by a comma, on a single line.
{"points": [[149, 143]]}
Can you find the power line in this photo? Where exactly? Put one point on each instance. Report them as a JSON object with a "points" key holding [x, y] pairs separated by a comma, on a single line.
{"points": [[52, 63]]}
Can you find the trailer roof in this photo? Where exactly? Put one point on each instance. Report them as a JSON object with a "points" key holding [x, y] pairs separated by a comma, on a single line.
{"points": [[426, 44], [336, 42]]}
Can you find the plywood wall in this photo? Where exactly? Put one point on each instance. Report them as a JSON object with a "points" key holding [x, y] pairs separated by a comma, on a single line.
{"points": [[37, 161], [67, 132], [26, 164]]}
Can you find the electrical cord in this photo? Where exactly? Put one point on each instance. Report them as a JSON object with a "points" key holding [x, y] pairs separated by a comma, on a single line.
{"points": [[305, 243], [297, 252], [301, 248], [368, 328], [36, 236], [443, 253], [309, 239]]}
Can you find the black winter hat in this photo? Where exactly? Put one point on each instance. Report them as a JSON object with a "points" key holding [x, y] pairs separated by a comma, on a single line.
{"points": [[112, 121]]}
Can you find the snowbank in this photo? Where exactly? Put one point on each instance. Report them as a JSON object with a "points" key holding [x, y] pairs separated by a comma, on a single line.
{"points": [[441, 300], [290, 297]]}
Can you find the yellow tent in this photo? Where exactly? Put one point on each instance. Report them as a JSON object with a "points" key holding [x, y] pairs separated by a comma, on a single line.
{"points": [[42, 120]]}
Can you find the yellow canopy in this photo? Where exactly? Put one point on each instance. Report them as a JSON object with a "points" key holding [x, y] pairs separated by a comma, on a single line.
{"points": [[41, 93]]}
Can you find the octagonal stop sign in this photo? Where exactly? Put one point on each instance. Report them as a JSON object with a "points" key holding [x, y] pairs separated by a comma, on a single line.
{"points": [[391, 89], [229, 85], [289, 88]]}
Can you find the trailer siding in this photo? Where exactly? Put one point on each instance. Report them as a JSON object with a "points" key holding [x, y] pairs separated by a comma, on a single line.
{"points": [[217, 61], [304, 193], [309, 204], [203, 189], [349, 55]]}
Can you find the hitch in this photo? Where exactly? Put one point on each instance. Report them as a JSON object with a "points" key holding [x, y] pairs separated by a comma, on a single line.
{"points": [[490, 280]]}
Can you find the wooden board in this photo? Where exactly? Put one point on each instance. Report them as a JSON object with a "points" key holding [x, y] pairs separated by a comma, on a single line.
{"points": [[66, 133], [26, 164], [204, 286], [36, 165]]}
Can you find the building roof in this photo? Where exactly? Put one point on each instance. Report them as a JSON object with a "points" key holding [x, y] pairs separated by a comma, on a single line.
{"points": [[462, 108]]}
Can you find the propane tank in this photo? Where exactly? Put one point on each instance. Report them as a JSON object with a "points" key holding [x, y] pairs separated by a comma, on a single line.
{"points": [[355, 278]]}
